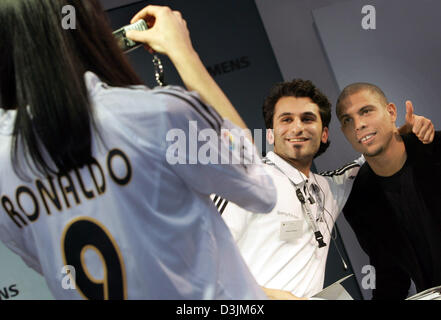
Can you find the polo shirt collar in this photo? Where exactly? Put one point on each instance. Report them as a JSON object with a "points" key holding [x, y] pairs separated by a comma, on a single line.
{"points": [[288, 170]]}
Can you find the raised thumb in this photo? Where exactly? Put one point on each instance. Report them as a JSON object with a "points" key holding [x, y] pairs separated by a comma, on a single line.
{"points": [[409, 111]]}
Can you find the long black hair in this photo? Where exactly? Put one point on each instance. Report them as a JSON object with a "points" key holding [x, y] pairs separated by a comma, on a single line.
{"points": [[42, 70]]}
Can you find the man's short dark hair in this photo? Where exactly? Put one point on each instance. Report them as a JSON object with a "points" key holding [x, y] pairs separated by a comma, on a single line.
{"points": [[356, 88], [298, 88]]}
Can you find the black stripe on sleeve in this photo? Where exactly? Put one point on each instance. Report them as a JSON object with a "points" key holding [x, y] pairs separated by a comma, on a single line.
{"points": [[220, 203], [340, 171], [268, 161], [204, 113], [217, 201], [210, 110], [223, 207]]}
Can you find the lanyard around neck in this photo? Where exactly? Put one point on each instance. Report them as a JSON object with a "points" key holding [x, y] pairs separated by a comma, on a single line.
{"points": [[307, 210]]}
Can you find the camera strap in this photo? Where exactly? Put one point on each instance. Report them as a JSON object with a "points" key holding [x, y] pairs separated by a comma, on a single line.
{"points": [[159, 71]]}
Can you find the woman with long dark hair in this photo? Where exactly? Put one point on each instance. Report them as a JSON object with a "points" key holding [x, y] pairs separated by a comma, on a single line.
{"points": [[94, 183]]}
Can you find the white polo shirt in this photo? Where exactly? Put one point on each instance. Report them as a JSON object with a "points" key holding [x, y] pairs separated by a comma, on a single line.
{"points": [[280, 247], [133, 224]]}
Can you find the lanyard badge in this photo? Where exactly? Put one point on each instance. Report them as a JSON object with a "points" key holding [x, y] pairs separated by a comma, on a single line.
{"points": [[305, 206]]}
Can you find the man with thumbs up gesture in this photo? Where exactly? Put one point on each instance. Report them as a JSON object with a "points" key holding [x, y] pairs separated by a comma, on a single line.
{"points": [[394, 205], [420, 126]]}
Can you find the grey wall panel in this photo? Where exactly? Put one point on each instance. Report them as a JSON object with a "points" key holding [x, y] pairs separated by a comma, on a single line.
{"points": [[401, 55]]}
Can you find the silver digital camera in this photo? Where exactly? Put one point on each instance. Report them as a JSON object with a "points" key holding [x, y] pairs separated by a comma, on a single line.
{"points": [[125, 43]]}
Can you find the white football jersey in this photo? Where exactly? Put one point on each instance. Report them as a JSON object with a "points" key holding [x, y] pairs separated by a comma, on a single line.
{"points": [[138, 223]]}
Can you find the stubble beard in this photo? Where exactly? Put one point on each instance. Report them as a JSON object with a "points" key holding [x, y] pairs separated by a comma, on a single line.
{"points": [[380, 149], [374, 153], [294, 157]]}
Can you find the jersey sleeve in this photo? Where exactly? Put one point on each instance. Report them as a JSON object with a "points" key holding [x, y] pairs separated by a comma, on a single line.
{"points": [[8, 241], [342, 180], [212, 155], [235, 217]]}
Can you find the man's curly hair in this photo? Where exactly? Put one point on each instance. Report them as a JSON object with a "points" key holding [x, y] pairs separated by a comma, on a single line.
{"points": [[298, 88]]}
